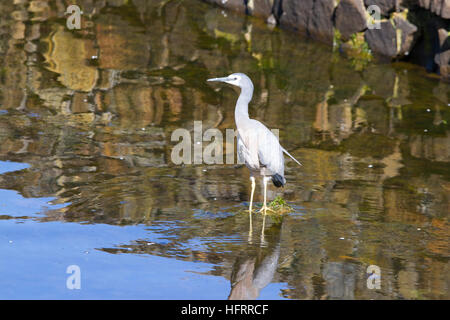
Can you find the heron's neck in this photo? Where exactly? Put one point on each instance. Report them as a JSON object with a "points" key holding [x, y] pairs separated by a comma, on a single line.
{"points": [[241, 111]]}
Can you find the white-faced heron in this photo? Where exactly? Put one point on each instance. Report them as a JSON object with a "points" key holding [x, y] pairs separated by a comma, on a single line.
{"points": [[257, 146]]}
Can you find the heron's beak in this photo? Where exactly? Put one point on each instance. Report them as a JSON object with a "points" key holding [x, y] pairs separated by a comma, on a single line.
{"points": [[224, 79]]}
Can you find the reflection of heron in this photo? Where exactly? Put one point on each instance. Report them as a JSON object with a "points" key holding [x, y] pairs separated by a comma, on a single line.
{"points": [[257, 146], [252, 273]]}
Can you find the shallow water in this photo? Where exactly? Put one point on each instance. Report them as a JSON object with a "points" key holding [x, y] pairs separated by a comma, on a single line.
{"points": [[87, 178]]}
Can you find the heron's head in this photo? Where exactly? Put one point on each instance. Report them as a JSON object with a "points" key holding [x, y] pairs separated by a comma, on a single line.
{"points": [[236, 79]]}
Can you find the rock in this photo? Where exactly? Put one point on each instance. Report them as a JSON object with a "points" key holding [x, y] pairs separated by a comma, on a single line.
{"points": [[236, 5], [385, 40], [445, 12], [271, 20], [442, 59], [439, 7], [277, 10], [424, 4], [350, 17], [407, 35], [444, 39], [436, 6], [260, 8], [386, 6], [382, 40], [320, 24], [296, 14], [309, 16]]}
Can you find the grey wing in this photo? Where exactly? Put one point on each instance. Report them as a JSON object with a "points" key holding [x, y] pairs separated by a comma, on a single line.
{"points": [[247, 149], [270, 152], [242, 151]]}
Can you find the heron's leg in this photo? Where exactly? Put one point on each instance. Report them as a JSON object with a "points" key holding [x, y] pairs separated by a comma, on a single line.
{"points": [[264, 207], [265, 195], [251, 196]]}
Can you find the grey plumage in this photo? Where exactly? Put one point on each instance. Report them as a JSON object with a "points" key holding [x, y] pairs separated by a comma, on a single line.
{"points": [[257, 146]]}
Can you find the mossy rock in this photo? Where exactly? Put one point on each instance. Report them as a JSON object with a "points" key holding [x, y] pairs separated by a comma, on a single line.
{"points": [[372, 145]]}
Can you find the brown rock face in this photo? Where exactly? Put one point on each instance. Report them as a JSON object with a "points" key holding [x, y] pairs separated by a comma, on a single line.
{"points": [[350, 17], [407, 35], [260, 8], [439, 7], [392, 40], [312, 17], [442, 59], [236, 5], [320, 24], [383, 40], [296, 14], [386, 6]]}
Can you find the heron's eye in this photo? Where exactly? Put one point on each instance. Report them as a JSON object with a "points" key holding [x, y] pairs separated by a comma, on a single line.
{"points": [[235, 79]]}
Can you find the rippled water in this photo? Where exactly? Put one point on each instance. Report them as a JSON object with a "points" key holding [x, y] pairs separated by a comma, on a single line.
{"points": [[86, 176]]}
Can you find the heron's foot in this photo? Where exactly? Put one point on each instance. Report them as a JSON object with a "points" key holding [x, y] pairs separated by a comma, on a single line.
{"points": [[265, 209]]}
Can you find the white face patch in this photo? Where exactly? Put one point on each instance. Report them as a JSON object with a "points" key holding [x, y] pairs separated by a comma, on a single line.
{"points": [[234, 79]]}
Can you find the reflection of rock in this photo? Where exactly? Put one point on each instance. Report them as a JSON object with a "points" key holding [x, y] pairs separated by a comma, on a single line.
{"points": [[431, 148], [18, 30], [122, 46], [54, 98], [80, 103], [134, 105], [40, 9], [407, 282], [336, 119], [67, 56], [340, 280], [393, 164]]}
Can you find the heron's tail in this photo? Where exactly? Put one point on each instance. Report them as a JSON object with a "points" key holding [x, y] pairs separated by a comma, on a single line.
{"points": [[278, 180], [284, 150]]}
